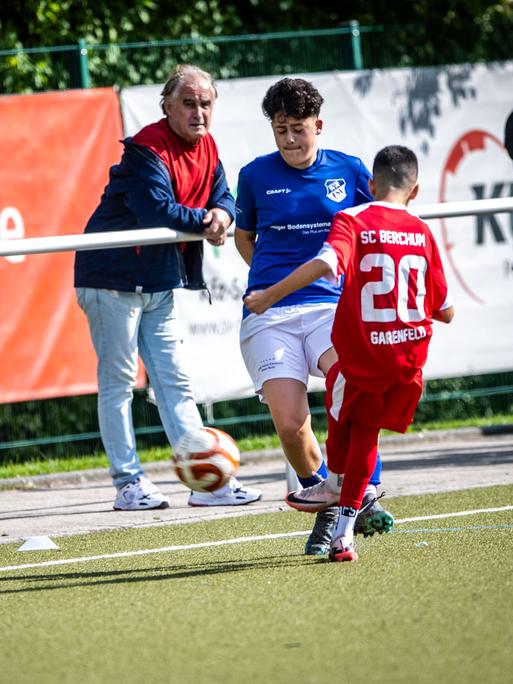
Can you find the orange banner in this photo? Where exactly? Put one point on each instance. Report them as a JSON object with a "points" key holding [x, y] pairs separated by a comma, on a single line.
{"points": [[55, 149]]}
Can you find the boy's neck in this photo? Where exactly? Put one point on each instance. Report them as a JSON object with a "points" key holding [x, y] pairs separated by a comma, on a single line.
{"points": [[393, 197]]}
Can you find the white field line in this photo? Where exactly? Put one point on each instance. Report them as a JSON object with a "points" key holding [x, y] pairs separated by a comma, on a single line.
{"points": [[226, 542], [454, 515]]}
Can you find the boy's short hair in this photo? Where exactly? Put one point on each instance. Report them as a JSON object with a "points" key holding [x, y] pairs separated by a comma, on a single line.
{"points": [[395, 166], [293, 97]]}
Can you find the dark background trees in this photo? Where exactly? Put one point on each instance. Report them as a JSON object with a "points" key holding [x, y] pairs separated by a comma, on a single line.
{"points": [[32, 23], [92, 36]]}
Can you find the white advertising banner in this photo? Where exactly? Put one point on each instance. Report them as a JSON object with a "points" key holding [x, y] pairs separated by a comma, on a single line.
{"points": [[211, 323], [453, 117]]}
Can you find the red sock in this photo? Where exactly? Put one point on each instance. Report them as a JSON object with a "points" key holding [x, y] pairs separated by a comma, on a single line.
{"points": [[360, 463]]}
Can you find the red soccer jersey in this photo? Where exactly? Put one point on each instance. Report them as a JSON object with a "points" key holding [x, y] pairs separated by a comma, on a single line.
{"points": [[191, 167], [394, 281]]}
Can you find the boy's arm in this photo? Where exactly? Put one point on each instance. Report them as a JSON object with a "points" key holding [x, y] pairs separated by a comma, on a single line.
{"points": [[245, 241], [443, 310], [330, 263], [445, 315], [259, 301]]}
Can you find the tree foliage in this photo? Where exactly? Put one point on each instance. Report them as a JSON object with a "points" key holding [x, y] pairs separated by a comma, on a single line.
{"points": [[423, 32]]}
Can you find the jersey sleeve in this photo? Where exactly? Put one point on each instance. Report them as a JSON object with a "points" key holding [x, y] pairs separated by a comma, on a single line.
{"points": [[362, 192], [329, 256], [441, 297], [341, 239], [245, 210]]}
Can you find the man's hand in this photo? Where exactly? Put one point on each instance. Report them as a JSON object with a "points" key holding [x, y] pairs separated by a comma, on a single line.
{"points": [[258, 301], [217, 222]]}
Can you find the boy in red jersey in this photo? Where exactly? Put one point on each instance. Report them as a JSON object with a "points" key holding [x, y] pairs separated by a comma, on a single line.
{"points": [[394, 286]]}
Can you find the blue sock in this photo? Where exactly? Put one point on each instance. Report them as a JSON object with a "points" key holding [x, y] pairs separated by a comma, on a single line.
{"points": [[320, 475], [376, 475]]}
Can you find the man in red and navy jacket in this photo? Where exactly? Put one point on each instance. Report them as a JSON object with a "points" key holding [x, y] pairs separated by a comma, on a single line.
{"points": [[169, 175]]}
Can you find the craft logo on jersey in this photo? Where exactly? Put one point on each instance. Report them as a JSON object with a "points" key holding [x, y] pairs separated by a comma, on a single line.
{"points": [[278, 191], [336, 189]]}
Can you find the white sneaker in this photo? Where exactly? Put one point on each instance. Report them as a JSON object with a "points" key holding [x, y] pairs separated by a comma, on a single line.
{"points": [[317, 498], [139, 495], [232, 494]]}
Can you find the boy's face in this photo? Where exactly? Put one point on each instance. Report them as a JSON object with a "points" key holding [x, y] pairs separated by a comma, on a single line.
{"points": [[296, 139]]}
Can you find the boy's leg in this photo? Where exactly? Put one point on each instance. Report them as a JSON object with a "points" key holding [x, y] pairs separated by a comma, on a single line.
{"points": [[359, 464], [360, 461], [288, 403], [335, 385], [372, 516]]}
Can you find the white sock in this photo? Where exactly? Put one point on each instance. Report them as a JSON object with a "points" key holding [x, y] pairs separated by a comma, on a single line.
{"points": [[334, 482], [371, 489], [345, 524]]}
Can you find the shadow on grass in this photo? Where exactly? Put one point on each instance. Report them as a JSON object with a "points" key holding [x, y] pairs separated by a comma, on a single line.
{"points": [[110, 577]]}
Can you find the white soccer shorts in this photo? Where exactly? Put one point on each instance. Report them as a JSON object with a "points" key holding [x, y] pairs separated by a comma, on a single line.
{"points": [[286, 342]]}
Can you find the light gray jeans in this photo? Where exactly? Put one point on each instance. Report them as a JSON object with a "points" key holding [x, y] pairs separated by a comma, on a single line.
{"points": [[124, 325]]}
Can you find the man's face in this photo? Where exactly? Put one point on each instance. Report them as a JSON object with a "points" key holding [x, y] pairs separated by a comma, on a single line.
{"points": [[189, 109], [296, 139]]}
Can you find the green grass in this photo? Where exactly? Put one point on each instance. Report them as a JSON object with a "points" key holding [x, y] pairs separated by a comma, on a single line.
{"points": [[428, 603], [256, 443]]}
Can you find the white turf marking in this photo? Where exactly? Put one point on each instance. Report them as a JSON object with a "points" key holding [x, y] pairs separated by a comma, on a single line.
{"points": [[454, 515], [226, 542]]}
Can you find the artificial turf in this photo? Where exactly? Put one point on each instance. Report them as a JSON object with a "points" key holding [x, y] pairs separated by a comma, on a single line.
{"points": [[430, 602]]}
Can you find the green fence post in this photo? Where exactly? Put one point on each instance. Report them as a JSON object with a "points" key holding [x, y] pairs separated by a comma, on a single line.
{"points": [[356, 44], [84, 64]]}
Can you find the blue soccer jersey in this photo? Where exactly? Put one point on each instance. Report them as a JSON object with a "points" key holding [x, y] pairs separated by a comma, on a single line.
{"points": [[291, 210]]}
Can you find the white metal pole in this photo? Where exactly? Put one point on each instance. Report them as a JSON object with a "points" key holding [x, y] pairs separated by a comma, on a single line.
{"points": [[153, 236]]}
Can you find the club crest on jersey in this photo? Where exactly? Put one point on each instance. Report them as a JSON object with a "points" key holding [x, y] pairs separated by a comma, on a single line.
{"points": [[335, 189]]}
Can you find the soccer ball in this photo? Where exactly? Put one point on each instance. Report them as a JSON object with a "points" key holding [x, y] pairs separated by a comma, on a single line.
{"points": [[205, 459]]}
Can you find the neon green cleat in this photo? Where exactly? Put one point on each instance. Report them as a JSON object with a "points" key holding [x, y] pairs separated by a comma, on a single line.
{"points": [[373, 518]]}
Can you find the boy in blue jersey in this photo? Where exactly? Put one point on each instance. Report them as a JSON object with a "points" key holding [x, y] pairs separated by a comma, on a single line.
{"points": [[285, 203]]}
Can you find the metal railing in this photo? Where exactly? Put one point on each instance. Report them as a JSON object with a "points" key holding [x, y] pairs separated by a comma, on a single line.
{"points": [[152, 236], [114, 239]]}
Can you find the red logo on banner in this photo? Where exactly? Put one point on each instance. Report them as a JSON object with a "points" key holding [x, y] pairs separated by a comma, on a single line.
{"points": [[463, 238]]}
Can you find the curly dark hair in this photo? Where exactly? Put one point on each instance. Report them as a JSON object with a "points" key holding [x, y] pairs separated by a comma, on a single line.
{"points": [[293, 97]]}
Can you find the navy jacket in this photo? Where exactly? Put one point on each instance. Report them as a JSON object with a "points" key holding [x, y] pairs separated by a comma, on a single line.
{"points": [[140, 195]]}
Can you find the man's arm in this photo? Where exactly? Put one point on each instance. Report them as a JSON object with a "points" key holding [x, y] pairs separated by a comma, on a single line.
{"points": [[259, 301], [220, 208], [220, 196], [216, 222]]}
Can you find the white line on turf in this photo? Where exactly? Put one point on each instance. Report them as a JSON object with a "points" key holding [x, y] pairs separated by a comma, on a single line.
{"points": [[454, 515], [226, 542]]}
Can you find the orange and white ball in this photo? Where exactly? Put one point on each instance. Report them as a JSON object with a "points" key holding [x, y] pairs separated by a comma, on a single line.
{"points": [[205, 459]]}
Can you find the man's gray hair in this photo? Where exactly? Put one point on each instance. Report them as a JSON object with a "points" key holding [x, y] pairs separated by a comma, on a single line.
{"points": [[180, 74]]}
